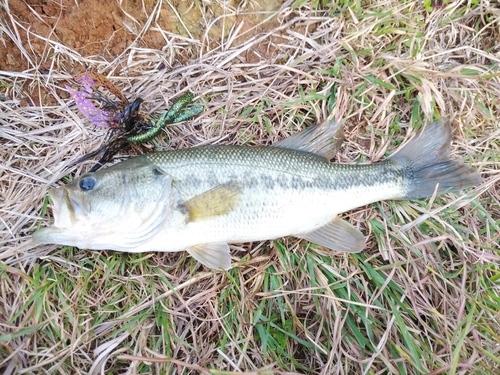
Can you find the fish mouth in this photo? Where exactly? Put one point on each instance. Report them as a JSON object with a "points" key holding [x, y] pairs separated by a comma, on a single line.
{"points": [[66, 210], [62, 208]]}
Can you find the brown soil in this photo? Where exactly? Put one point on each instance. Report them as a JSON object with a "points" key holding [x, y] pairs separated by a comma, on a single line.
{"points": [[107, 28], [102, 30], [90, 27]]}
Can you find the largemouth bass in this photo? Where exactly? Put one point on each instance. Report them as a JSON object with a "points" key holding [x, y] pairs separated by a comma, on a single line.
{"points": [[200, 199]]}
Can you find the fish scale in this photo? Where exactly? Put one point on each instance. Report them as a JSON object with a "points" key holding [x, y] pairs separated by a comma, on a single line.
{"points": [[198, 169]]}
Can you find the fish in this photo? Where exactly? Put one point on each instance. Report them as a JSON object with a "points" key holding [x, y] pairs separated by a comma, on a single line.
{"points": [[201, 199]]}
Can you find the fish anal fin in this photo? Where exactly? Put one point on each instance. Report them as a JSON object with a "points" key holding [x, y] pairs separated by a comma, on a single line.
{"points": [[218, 201], [323, 139], [337, 235], [214, 255]]}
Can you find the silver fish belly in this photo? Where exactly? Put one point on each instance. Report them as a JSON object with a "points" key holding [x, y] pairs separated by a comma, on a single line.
{"points": [[201, 199]]}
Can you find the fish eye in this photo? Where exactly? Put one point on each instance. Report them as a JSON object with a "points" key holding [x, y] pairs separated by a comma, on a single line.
{"points": [[87, 183]]}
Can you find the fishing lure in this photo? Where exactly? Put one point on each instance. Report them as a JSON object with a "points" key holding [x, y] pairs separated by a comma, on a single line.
{"points": [[177, 113], [127, 126], [140, 131], [88, 92]]}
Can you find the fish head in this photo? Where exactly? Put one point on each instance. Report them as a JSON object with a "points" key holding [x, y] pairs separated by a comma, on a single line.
{"points": [[118, 208]]}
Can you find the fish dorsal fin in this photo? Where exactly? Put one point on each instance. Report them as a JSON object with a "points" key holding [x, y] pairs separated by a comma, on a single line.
{"points": [[218, 201], [323, 139], [213, 255], [337, 235]]}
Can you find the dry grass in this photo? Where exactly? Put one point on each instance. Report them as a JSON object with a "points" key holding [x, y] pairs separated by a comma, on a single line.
{"points": [[423, 298]]}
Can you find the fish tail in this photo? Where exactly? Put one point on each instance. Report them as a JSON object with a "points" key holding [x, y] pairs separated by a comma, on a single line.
{"points": [[427, 165]]}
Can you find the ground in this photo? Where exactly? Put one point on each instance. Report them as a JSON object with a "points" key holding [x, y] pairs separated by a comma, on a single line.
{"points": [[422, 298]]}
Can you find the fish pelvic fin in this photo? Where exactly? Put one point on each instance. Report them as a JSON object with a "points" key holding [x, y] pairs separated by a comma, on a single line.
{"points": [[427, 166], [337, 235], [213, 255]]}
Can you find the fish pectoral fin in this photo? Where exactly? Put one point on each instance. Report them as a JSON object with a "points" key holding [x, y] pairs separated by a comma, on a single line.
{"points": [[218, 201], [323, 139], [213, 255], [337, 235]]}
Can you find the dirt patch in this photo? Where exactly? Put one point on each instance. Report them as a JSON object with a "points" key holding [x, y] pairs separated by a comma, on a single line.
{"points": [[89, 27], [36, 32], [107, 28]]}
